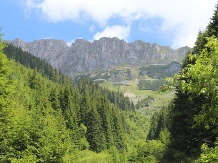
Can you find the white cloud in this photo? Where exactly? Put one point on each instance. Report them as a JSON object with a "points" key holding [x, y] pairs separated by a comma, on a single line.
{"points": [[184, 17], [120, 32], [49, 37]]}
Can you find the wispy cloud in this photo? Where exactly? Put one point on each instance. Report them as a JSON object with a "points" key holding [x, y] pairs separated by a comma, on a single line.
{"points": [[92, 28], [185, 17]]}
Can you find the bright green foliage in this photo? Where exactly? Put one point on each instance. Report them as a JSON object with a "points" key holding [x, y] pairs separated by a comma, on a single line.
{"points": [[5, 81], [202, 79], [91, 157], [46, 117], [6, 104], [37, 132], [194, 114], [148, 152], [154, 149], [208, 154]]}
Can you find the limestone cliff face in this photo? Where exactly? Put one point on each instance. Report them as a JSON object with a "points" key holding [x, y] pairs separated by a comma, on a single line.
{"points": [[83, 56]]}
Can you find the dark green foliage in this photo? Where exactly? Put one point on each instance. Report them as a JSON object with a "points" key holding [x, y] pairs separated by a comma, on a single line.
{"points": [[114, 75], [212, 27], [158, 123], [107, 116], [160, 71], [199, 45], [95, 134], [153, 85], [30, 61], [115, 98], [153, 71]]}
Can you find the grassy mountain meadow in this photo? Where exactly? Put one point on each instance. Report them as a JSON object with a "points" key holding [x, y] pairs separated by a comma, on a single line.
{"points": [[138, 83]]}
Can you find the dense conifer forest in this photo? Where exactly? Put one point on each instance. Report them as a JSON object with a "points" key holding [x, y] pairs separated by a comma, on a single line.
{"points": [[46, 117]]}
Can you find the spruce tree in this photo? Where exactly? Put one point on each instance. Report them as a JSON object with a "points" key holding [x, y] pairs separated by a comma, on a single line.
{"points": [[95, 134]]}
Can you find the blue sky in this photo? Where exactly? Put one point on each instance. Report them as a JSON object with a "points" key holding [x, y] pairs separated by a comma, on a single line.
{"points": [[173, 23]]}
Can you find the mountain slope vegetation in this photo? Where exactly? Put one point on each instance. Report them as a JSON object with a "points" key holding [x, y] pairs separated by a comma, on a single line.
{"points": [[47, 117], [192, 115]]}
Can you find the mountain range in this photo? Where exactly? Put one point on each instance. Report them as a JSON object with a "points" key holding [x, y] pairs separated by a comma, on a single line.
{"points": [[102, 54]]}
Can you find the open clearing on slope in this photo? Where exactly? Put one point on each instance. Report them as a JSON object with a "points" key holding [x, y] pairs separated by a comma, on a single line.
{"points": [[131, 90]]}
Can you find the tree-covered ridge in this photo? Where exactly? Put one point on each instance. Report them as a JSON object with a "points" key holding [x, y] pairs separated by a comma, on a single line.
{"points": [[33, 62], [46, 70], [58, 120]]}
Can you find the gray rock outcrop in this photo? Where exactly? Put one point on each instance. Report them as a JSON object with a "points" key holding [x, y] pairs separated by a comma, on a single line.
{"points": [[84, 56]]}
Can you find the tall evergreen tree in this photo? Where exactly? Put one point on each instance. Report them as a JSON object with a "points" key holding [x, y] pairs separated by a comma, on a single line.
{"points": [[95, 136], [186, 136]]}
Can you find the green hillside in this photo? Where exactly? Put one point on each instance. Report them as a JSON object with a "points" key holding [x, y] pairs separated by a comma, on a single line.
{"points": [[47, 117]]}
